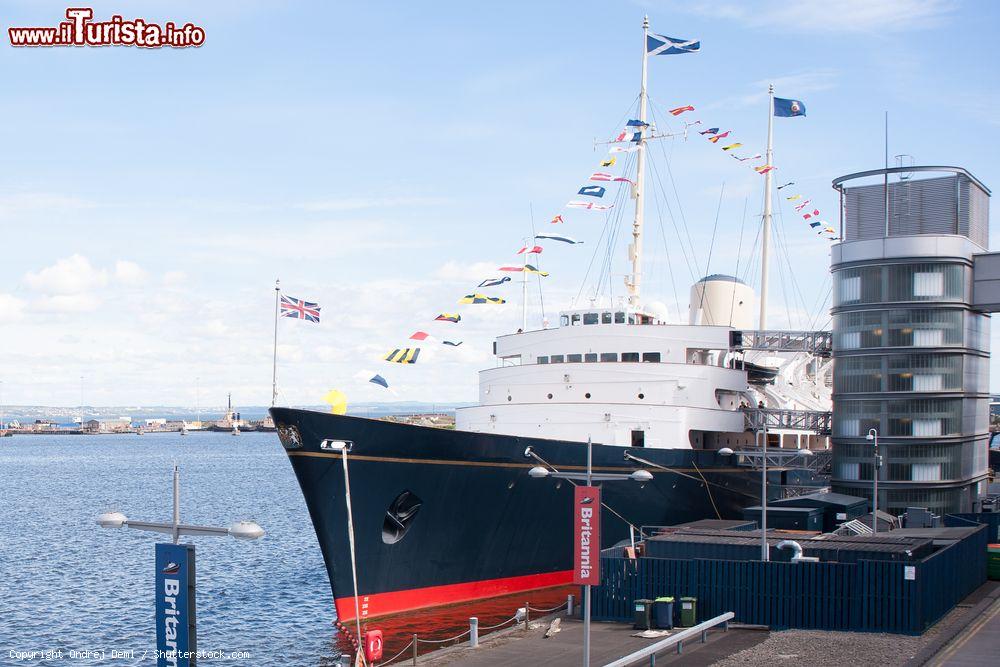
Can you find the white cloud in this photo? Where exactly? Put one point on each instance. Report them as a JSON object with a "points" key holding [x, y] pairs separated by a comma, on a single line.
{"points": [[846, 16], [174, 278], [72, 275], [67, 303], [11, 308], [477, 271], [129, 273]]}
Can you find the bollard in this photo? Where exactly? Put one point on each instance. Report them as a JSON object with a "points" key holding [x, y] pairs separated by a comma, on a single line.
{"points": [[652, 660], [704, 636], [527, 613], [414, 649], [680, 647], [473, 632], [569, 604]]}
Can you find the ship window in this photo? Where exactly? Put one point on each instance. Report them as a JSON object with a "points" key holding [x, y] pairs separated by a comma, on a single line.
{"points": [[574, 358], [651, 356], [556, 359], [564, 320], [638, 438], [543, 360], [609, 356], [630, 356], [619, 318], [605, 318], [550, 396], [575, 319], [590, 357], [587, 395], [642, 396], [399, 516], [590, 318], [631, 318]]}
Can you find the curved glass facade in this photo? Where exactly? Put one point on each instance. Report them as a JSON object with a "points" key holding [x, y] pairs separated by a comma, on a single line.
{"points": [[911, 363]]}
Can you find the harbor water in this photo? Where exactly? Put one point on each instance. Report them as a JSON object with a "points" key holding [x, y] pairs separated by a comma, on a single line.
{"points": [[68, 585]]}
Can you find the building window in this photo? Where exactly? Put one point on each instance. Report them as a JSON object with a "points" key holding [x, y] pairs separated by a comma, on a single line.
{"points": [[590, 318], [574, 358], [590, 357], [605, 318], [925, 428], [850, 289], [575, 319], [928, 284], [564, 320], [850, 340], [925, 472], [638, 438], [609, 356], [928, 338], [556, 359], [543, 360], [653, 357], [619, 318], [630, 356], [848, 470]]}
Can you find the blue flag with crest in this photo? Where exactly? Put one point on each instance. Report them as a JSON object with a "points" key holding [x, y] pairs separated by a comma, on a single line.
{"points": [[788, 108]]}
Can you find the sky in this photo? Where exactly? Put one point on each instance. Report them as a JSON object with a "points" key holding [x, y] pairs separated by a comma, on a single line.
{"points": [[382, 159]]}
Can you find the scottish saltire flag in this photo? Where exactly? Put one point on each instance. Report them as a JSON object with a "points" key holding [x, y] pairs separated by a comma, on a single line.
{"points": [[405, 355], [788, 108], [379, 380], [592, 191], [659, 45], [556, 237], [298, 309], [494, 282]]}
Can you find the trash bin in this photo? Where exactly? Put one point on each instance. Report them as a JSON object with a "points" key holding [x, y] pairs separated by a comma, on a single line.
{"points": [[643, 614], [663, 613], [689, 612]]}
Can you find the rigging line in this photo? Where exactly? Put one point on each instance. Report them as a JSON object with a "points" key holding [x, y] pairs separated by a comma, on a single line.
{"points": [[608, 263], [666, 250], [739, 251], [541, 296], [751, 264], [677, 198], [680, 239], [819, 308], [782, 237], [711, 246]]}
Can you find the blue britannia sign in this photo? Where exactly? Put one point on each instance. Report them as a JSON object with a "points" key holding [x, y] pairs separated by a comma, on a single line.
{"points": [[175, 609]]}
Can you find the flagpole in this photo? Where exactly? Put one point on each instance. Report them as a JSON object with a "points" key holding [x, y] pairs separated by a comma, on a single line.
{"points": [[274, 365], [524, 288], [766, 233], [635, 284]]}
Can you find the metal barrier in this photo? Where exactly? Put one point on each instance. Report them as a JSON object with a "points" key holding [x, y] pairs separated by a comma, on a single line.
{"points": [[674, 640]]}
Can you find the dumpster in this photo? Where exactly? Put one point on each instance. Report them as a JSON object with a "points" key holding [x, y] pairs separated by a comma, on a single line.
{"points": [[689, 612], [663, 613], [643, 614]]}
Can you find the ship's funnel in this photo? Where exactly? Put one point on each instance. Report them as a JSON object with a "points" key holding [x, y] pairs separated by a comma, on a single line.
{"points": [[721, 300]]}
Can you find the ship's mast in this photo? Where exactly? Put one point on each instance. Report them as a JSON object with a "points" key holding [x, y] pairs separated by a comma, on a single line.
{"points": [[634, 284], [766, 232]]}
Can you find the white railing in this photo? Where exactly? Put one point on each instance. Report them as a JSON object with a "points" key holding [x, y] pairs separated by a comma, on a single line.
{"points": [[674, 640]]}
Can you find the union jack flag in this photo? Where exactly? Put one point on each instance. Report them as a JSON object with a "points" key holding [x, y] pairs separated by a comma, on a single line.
{"points": [[300, 310]]}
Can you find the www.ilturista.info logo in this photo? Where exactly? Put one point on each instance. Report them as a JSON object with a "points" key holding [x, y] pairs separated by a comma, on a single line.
{"points": [[81, 30]]}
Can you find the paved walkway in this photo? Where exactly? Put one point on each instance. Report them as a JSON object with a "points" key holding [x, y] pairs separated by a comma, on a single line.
{"points": [[609, 641], [978, 645]]}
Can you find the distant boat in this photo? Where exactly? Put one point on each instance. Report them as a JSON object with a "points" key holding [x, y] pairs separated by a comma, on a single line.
{"points": [[236, 430], [184, 430]]}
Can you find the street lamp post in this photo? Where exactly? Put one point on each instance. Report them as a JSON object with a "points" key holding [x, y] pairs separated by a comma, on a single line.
{"points": [[541, 471], [873, 436], [176, 639]]}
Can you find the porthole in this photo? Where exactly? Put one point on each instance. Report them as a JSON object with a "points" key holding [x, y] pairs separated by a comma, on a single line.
{"points": [[550, 396], [399, 516], [508, 398], [587, 395], [642, 396]]}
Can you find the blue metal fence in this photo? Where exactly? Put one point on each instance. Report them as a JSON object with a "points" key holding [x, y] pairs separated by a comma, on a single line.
{"points": [[991, 519], [873, 596]]}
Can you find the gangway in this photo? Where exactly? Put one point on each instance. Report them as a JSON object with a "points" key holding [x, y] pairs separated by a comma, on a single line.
{"points": [[818, 343]]}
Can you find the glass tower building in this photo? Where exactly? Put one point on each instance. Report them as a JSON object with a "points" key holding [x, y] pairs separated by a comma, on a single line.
{"points": [[911, 348]]}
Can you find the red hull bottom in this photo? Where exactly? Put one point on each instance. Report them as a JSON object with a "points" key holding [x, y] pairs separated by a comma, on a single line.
{"points": [[396, 602]]}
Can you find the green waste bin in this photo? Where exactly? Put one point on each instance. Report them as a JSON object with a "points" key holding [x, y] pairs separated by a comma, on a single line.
{"points": [[993, 562], [663, 613], [689, 612], [643, 614]]}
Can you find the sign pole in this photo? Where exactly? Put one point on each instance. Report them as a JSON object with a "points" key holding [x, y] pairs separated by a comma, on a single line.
{"points": [[586, 589]]}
